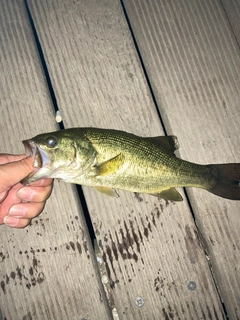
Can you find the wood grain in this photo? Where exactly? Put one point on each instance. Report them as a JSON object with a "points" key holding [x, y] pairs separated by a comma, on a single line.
{"points": [[192, 61], [151, 247], [47, 270], [232, 10]]}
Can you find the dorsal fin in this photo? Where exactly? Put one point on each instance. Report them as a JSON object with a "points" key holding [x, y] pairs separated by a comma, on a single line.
{"points": [[168, 142]]}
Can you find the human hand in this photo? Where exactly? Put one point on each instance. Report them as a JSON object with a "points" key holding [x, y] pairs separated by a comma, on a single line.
{"points": [[18, 203]]}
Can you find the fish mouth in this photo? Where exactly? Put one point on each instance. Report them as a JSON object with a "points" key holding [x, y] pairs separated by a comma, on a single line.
{"points": [[40, 162], [40, 157], [32, 150]]}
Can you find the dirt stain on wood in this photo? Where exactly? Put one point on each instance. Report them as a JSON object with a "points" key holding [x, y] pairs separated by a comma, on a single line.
{"points": [[22, 275], [126, 243]]}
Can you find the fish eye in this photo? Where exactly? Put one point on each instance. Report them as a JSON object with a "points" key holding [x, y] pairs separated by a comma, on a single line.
{"points": [[51, 142]]}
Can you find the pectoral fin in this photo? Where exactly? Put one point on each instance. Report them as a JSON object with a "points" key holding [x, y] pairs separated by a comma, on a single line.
{"points": [[110, 166], [171, 194], [107, 191]]}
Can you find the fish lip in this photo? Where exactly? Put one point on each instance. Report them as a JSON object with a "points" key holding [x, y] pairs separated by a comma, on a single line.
{"points": [[32, 150], [40, 162]]}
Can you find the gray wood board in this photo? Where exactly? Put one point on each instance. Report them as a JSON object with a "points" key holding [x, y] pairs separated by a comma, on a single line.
{"points": [[47, 270], [192, 60], [232, 9], [151, 247]]}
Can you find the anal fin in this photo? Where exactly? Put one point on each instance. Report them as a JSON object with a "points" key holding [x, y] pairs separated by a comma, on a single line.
{"points": [[107, 191], [170, 194]]}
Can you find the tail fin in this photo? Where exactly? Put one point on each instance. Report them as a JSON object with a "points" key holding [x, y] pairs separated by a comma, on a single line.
{"points": [[228, 181]]}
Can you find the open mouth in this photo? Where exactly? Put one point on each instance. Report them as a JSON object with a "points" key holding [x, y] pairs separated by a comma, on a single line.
{"points": [[32, 150], [40, 161]]}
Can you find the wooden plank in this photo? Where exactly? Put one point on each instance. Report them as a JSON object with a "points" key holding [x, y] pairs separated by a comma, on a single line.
{"points": [[232, 10], [47, 270], [192, 60], [150, 247]]}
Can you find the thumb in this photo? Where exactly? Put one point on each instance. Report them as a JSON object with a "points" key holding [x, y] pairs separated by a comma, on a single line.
{"points": [[13, 172]]}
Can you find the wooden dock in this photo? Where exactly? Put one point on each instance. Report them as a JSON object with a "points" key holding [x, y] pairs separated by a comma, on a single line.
{"points": [[150, 67]]}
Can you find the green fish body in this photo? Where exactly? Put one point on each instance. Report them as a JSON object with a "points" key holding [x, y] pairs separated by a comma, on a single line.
{"points": [[111, 159]]}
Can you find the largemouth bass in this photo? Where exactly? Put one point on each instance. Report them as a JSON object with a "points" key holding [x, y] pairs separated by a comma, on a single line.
{"points": [[111, 159]]}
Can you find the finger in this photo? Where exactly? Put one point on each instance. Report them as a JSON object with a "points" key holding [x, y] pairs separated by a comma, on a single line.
{"points": [[10, 199], [13, 172], [41, 183], [5, 158], [15, 222], [3, 196], [35, 194], [26, 210]]}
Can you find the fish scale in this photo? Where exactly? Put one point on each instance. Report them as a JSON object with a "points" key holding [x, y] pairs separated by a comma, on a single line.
{"points": [[165, 172]]}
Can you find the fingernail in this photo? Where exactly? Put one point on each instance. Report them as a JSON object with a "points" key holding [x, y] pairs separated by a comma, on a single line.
{"points": [[25, 193], [10, 221], [17, 211]]}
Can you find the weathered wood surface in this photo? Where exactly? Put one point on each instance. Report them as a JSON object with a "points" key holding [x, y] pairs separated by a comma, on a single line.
{"points": [[48, 270], [232, 9], [152, 248], [191, 56]]}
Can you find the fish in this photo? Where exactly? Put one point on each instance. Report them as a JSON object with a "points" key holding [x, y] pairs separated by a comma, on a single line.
{"points": [[108, 160]]}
